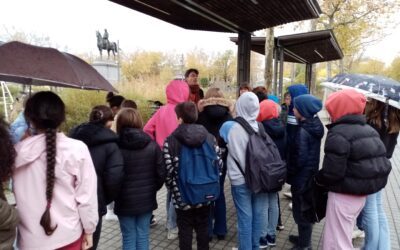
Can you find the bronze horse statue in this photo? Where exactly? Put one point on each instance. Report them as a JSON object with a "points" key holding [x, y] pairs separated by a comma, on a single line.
{"points": [[106, 45]]}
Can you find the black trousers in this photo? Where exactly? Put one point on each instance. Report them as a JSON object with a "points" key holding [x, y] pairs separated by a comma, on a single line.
{"points": [[303, 226], [197, 219]]}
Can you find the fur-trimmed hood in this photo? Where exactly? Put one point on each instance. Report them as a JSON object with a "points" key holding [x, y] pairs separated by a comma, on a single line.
{"points": [[215, 101]]}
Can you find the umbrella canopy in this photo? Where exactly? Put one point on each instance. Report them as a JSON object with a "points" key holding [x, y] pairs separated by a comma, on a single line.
{"points": [[34, 65], [373, 86]]}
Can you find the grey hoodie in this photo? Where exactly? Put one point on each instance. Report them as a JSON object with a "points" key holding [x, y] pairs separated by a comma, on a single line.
{"points": [[247, 106]]}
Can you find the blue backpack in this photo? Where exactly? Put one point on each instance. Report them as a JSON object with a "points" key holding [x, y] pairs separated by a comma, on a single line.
{"points": [[198, 174]]}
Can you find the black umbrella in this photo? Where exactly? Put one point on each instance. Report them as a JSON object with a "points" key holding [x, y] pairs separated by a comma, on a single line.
{"points": [[381, 88], [35, 65]]}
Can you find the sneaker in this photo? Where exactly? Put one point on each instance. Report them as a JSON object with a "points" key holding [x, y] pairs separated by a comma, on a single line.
{"points": [[271, 240], [358, 234], [172, 234], [280, 227], [288, 195], [263, 242], [300, 248], [110, 215], [153, 221], [290, 206], [220, 237]]}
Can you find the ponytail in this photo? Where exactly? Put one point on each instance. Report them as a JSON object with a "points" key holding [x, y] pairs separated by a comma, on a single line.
{"points": [[45, 221]]}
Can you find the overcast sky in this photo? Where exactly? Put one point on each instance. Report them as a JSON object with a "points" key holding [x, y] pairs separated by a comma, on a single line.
{"points": [[72, 25]]}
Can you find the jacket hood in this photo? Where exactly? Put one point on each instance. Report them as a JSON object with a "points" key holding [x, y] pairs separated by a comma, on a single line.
{"points": [[274, 128], [313, 126], [345, 102], [133, 138], [268, 110], [93, 134], [295, 91], [247, 106], [177, 91], [215, 101], [191, 135], [307, 105]]}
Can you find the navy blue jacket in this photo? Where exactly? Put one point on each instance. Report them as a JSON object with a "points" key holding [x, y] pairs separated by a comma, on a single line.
{"points": [[277, 131], [306, 156]]}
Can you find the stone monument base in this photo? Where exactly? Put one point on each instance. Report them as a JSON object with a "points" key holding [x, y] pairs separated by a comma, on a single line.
{"points": [[108, 69]]}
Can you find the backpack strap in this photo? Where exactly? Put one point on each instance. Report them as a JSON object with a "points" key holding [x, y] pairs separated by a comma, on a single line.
{"points": [[239, 167], [245, 125]]}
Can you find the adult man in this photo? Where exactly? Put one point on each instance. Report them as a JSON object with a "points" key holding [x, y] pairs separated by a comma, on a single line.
{"points": [[196, 93], [105, 38]]}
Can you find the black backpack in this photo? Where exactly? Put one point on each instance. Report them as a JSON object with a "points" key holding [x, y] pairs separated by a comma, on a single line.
{"points": [[265, 172]]}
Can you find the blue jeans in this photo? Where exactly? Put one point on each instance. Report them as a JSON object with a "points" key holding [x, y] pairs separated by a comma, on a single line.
{"points": [[250, 210], [217, 219], [271, 215], [135, 231], [171, 214], [375, 223]]}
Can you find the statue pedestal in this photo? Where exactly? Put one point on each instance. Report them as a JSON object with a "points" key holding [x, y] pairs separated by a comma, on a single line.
{"points": [[108, 69]]}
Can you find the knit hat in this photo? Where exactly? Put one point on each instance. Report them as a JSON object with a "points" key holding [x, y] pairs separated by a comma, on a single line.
{"points": [[307, 105], [345, 102], [268, 110]]}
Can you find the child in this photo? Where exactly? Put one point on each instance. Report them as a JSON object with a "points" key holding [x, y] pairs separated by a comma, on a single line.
{"points": [[273, 126], [107, 159], [354, 166], [386, 121], [305, 160], [54, 180], [250, 207], [159, 127], [144, 175], [8, 214], [190, 135], [214, 110]]}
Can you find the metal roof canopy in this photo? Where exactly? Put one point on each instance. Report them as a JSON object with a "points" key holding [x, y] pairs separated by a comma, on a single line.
{"points": [[306, 48], [237, 16]]}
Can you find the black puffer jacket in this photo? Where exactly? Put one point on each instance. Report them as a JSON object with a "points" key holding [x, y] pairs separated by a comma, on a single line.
{"points": [[144, 173], [355, 158], [106, 157], [277, 131], [389, 140], [307, 154]]}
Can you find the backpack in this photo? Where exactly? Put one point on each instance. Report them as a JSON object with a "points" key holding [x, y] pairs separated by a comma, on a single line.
{"points": [[265, 172], [198, 174]]}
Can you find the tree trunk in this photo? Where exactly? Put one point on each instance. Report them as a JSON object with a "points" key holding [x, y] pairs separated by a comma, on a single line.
{"points": [[292, 73], [329, 70], [269, 54]]}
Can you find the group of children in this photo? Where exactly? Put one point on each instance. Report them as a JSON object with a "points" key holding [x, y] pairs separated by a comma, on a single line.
{"points": [[63, 184]]}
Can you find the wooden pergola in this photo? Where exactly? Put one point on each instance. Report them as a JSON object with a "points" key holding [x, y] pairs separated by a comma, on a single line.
{"points": [[234, 16]]}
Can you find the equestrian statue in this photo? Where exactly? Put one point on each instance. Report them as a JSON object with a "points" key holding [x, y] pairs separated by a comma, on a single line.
{"points": [[104, 43]]}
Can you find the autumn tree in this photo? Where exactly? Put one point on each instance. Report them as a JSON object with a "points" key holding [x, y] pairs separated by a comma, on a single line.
{"points": [[357, 24], [394, 69], [369, 66]]}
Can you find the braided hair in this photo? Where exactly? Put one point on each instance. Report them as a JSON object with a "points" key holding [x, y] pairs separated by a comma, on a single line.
{"points": [[45, 111]]}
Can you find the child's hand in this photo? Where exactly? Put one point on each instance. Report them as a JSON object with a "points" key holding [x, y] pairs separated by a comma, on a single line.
{"points": [[87, 241]]}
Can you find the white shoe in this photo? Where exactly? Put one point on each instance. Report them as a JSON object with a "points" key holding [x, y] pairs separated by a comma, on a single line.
{"points": [[287, 195], [291, 206], [172, 234], [111, 216], [358, 234]]}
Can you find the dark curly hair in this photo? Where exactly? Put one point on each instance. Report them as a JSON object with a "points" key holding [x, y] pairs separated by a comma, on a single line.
{"points": [[46, 111], [7, 152]]}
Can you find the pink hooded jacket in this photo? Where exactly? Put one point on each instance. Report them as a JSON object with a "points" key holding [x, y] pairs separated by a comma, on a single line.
{"points": [[164, 121], [74, 204]]}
